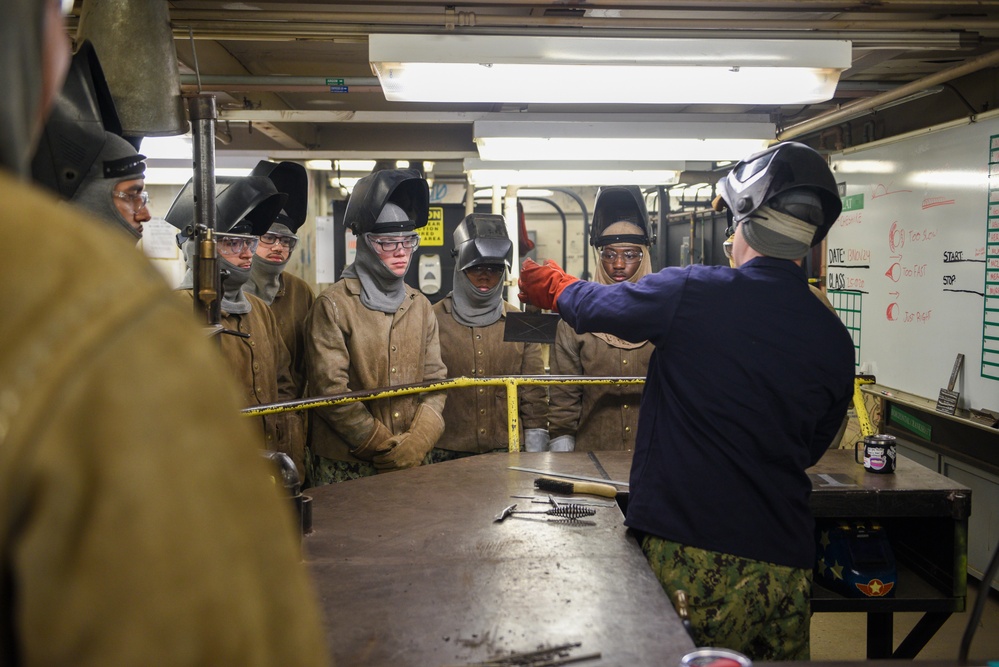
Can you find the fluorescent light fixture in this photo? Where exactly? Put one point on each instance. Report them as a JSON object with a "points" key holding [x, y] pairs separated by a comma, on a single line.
{"points": [[521, 192], [319, 165], [181, 175], [613, 70], [540, 174], [178, 147], [578, 140]]}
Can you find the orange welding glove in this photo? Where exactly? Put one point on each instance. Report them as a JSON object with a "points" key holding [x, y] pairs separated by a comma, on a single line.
{"points": [[541, 285]]}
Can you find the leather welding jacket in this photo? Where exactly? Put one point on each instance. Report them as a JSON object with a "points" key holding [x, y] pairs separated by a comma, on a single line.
{"points": [[138, 522], [350, 347], [291, 305], [475, 418], [601, 417], [261, 366]]}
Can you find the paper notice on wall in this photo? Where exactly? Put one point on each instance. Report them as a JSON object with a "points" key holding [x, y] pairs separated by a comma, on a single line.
{"points": [[325, 249]]}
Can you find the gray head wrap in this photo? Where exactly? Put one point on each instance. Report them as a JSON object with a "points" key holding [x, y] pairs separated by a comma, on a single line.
{"points": [[265, 275], [473, 308], [234, 301], [21, 46], [95, 191], [777, 234], [381, 289]]}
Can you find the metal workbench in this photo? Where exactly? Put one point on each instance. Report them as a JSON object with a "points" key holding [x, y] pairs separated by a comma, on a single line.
{"points": [[412, 570]]}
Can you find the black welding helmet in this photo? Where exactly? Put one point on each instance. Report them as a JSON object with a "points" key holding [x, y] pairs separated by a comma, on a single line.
{"points": [[243, 205], [405, 188], [620, 203], [789, 177], [76, 130], [481, 238], [291, 179]]}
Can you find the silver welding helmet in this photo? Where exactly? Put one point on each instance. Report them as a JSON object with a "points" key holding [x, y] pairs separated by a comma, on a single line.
{"points": [[789, 177], [481, 238], [617, 203], [405, 188], [77, 130]]}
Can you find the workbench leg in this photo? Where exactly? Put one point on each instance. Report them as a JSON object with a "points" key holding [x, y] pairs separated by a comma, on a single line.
{"points": [[879, 635], [921, 634]]}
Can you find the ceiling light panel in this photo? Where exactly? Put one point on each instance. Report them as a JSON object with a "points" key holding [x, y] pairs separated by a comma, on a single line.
{"points": [[688, 140], [542, 69]]}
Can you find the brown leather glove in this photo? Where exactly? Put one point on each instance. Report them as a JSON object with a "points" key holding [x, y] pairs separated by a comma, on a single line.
{"points": [[410, 448], [541, 285], [376, 443]]}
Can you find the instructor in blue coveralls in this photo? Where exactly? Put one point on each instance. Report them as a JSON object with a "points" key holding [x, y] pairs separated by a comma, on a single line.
{"points": [[748, 385]]}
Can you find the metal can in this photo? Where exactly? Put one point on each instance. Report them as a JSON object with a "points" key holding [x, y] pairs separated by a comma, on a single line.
{"points": [[715, 657]]}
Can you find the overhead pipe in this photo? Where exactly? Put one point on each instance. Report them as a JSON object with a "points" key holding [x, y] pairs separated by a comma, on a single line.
{"points": [[860, 39], [860, 107], [297, 20], [728, 5]]}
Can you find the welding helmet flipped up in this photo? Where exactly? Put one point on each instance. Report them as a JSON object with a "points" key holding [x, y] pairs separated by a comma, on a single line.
{"points": [[76, 131], [789, 177], [405, 188], [620, 203], [481, 238], [291, 179], [243, 205]]}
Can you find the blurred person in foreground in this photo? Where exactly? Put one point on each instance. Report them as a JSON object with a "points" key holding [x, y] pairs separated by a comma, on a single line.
{"points": [[748, 385], [138, 524]]}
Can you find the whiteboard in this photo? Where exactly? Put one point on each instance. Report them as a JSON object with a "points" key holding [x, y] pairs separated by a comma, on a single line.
{"points": [[913, 260]]}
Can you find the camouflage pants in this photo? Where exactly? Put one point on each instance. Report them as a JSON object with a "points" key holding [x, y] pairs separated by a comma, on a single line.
{"points": [[327, 471], [759, 609]]}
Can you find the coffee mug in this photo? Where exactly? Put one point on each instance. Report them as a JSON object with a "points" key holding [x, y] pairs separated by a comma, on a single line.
{"points": [[879, 453]]}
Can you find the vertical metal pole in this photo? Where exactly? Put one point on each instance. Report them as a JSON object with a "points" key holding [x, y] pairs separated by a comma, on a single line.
{"points": [[513, 231], [207, 283]]}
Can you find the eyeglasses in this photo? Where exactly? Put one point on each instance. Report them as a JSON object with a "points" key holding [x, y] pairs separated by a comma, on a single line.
{"points": [[485, 270], [629, 256], [393, 243], [727, 247], [138, 200], [236, 244], [288, 242]]}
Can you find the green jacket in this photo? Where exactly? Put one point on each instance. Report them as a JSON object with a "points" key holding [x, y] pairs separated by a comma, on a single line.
{"points": [[138, 522]]}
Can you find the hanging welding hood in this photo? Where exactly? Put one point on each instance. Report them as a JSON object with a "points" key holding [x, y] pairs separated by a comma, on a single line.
{"points": [[781, 177], [292, 179], [243, 205], [405, 188], [617, 203], [75, 133], [481, 238]]}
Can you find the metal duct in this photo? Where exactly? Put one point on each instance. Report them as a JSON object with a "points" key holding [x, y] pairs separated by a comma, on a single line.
{"points": [[134, 42]]}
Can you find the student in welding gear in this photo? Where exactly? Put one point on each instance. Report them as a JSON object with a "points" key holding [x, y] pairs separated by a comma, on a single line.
{"points": [[258, 358], [472, 320], [289, 297], [371, 330], [604, 417], [748, 385], [138, 524]]}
